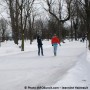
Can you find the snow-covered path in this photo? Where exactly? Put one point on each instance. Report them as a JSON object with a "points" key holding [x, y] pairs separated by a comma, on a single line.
{"points": [[28, 69]]}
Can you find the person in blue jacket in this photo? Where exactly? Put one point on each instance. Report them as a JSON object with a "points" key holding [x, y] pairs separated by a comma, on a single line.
{"points": [[40, 48]]}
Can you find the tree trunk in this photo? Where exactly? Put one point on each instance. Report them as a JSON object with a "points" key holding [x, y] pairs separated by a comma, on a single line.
{"points": [[22, 30], [87, 8], [14, 29], [71, 34], [60, 30]]}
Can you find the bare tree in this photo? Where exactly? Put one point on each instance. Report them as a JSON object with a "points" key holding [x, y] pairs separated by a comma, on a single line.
{"points": [[87, 9], [3, 27], [57, 12], [83, 7], [19, 13], [14, 15], [25, 9]]}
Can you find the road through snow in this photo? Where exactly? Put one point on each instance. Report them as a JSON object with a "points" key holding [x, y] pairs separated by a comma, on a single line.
{"points": [[28, 69]]}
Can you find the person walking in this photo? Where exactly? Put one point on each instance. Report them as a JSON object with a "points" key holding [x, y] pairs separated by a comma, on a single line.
{"points": [[83, 37], [40, 48], [55, 41]]}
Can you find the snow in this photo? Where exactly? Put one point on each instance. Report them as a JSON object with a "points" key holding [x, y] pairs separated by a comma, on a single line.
{"points": [[25, 70]]}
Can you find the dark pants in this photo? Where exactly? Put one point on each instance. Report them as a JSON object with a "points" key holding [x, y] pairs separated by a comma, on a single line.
{"points": [[40, 49]]}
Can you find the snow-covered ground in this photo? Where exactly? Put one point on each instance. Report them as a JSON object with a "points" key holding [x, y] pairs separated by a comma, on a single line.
{"points": [[25, 70]]}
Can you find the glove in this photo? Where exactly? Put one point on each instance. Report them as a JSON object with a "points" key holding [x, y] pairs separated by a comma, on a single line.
{"points": [[52, 44]]}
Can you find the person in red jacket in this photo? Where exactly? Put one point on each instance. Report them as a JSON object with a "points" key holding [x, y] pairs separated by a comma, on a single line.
{"points": [[55, 41]]}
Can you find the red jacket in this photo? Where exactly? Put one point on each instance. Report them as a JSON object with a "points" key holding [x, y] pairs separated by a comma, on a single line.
{"points": [[55, 40]]}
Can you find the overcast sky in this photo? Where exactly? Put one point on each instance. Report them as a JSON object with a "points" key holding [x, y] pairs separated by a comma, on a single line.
{"points": [[4, 9]]}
